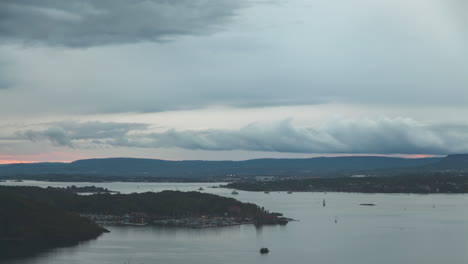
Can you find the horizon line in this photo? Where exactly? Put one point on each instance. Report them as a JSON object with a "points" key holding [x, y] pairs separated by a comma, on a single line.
{"points": [[403, 156]]}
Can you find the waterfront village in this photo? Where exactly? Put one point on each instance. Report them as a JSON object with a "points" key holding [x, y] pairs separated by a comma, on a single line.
{"points": [[142, 219]]}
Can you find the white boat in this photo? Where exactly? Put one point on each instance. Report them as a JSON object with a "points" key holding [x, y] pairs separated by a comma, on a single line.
{"points": [[235, 192]]}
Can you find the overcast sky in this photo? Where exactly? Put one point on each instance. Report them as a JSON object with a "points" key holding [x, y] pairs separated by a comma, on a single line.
{"points": [[223, 79]]}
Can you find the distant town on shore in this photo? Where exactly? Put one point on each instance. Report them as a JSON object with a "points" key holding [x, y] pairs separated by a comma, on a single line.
{"points": [[345, 174]]}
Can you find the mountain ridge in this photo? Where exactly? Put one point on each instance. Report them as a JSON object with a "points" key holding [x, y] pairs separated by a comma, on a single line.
{"points": [[137, 167], [451, 162]]}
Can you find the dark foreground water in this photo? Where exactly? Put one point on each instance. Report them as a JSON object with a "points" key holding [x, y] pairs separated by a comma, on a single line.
{"points": [[401, 228]]}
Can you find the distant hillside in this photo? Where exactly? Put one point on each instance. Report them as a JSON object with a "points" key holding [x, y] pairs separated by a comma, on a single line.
{"points": [[405, 183], [130, 167], [451, 162]]}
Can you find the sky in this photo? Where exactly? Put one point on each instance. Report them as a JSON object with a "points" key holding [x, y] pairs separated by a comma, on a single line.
{"points": [[232, 80]]}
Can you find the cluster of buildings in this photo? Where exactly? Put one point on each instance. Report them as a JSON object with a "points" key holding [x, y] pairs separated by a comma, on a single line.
{"points": [[203, 222], [234, 178], [134, 218], [139, 218]]}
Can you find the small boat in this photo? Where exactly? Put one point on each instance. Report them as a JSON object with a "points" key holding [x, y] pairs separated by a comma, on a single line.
{"points": [[201, 189], [289, 192], [264, 250], [235, 192], [266, 191]]}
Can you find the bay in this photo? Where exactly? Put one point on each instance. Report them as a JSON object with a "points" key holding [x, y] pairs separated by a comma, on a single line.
{"points": [[401, 228]]}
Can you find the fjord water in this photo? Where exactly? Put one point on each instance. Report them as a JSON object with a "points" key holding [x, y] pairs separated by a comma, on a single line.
{"points": [[401, 228]]}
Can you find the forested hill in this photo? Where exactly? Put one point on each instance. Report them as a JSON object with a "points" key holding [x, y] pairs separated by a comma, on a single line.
{"points": [[451, 162], [161, 204], [131, 167], [27, 225]]}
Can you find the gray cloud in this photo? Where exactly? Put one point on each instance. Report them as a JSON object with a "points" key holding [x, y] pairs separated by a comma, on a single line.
{"points": [[381, 136], [6, 80], [4, 83], [388, 53], [69, 133], [88, 23]]}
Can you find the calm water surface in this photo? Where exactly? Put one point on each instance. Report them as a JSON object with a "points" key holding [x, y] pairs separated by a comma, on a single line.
{"points": [[401, 228]]}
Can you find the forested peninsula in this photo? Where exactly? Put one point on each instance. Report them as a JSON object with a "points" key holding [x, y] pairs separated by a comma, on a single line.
{"points": [[28, 225], [448, 182], [34, 217]]}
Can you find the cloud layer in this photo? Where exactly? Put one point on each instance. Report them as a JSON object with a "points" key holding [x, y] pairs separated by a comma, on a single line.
{"points": [[389, 52], [381, 136], [72, 133], [299, 52], [87, 23], [186, 64]]}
